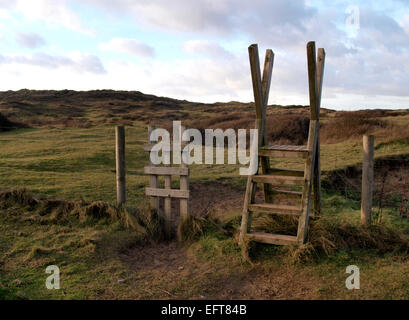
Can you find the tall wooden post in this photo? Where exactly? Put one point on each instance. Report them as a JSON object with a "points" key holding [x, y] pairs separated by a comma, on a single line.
{"points": [[153, 179], [120, 164], [317, 166], [167, 201], [367, 178], [184, 185], [312, 143], [261, 90]]}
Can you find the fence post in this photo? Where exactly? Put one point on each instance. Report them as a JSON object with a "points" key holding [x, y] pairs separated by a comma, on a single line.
{"points": [[184, 185], [367, 178], [153, 179], [120, 164]]}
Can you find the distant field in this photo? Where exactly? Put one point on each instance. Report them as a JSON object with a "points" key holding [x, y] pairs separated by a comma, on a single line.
{"points": [[63, 148]]}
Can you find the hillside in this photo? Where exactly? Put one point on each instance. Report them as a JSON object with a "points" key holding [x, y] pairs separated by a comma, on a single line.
{"points": [[57, 195], [83, 109]]}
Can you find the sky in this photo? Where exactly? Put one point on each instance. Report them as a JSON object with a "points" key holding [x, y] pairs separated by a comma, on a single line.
{"points": [[197, 50]]}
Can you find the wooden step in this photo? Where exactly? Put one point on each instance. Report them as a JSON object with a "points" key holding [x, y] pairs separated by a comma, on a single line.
{"points": [[286, 172], [274, 179], [271, 238], [283, 151], [275, 209], [287, 192]]}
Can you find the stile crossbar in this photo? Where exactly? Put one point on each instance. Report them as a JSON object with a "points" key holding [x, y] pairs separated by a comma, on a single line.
{"points": [[308, 179], [167, 193]]}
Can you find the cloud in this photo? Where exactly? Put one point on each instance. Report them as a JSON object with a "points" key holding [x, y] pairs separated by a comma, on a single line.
{"points": [[225, 17], [78, 62], [404, 23], [131, 46], [30, 40], [52, 12], [369, 63], [207, 48]]}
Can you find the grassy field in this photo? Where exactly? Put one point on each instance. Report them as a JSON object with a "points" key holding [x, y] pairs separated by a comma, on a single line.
{"points": [[101, 257]]}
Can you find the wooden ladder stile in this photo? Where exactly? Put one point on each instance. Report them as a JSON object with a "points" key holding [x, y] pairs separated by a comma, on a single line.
{"points": [[278, 181]]}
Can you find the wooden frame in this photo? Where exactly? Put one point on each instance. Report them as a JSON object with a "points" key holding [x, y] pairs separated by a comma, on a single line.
{"points": [[312, 173], [309, 178], [167, 193]]}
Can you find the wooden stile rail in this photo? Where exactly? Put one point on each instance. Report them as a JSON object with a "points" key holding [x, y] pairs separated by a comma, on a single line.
{"points": [[167, 193]]}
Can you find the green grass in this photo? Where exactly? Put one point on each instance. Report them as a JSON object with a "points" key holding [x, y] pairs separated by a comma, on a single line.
{"points": [[79, 163]]}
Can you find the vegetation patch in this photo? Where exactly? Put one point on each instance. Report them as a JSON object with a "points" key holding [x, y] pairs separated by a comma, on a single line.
{"points": [[327, 237]]}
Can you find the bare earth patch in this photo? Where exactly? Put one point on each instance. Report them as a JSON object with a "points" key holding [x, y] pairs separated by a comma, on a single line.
{"points": [[170, 271], [167, 271]]}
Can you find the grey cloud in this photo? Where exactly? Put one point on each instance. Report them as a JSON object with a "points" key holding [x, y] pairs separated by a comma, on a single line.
{"points": [[131, 46], [209, 16], [84, 63], [30, 40], [207, 48], [370, 63], [379, 31]]}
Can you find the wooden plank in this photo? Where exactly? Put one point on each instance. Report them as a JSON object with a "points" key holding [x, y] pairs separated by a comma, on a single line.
{"points": [[307, 189], [166, 171], [367, 178], [282, 154], [286, 180], [153, 180], [265, 88], [287, 192], [168, 207], [312, 80], [172, 193], [265, 84], [317, 166], [286, 172], [285, 147], [120, 164], [184, 185], [275, 209], [320, 76], [270, 238], [248, 197], [257, 89]]}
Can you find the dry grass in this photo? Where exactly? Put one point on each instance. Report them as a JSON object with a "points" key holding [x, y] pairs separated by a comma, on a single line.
{"points": [[17, 196], [349, 125], [6, 124], [193, 227], [328, 236], [285, 125], [43, 211]]}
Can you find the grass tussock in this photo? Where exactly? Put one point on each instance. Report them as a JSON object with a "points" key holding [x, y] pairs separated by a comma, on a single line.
{"points": [[60, 211], [37, 251], [326, 237], [193, 227], [152, 223], [17, 196]]}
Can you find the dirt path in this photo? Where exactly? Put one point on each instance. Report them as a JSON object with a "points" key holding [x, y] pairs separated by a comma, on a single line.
{"points": [[168, 271]]}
